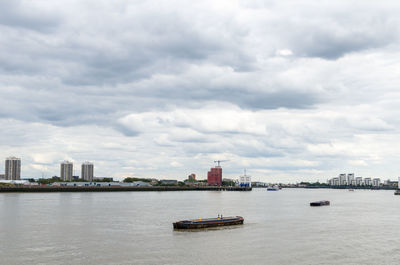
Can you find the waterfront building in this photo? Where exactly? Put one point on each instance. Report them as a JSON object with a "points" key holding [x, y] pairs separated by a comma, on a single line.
{"points": [[101, 184], [87, 171], [353, 183], [387, 182], [376, 182], [350, 178], [214, 176], [2, 176], [13, 168], [192, 177], [336, 181], [245, 181], [66, 170], [331, 181], [169, 182], [342, 179], [359, 181], [259, 184], [368, 181]]}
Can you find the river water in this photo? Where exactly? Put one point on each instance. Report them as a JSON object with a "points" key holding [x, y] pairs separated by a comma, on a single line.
{"points": [[360, 227]]}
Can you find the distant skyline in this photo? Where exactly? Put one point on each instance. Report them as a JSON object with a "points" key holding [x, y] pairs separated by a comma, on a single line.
{"points": [[289, 90]]}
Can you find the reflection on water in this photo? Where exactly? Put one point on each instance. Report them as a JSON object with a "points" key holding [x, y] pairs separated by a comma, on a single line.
{"points": [[359, 227]]}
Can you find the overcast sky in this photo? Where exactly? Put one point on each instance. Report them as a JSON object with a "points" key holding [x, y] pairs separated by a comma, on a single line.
{"points": [[289, 90]]}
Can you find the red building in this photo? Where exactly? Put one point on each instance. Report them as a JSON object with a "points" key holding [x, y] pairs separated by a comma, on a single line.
{"points": [[214, 176]]}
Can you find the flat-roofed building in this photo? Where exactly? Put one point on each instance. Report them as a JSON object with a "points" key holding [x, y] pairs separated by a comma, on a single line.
{"points": [[335, 182], [13, 168], [169, 182], [245, 181], [342, 179], [66, 171], [368, 181], [376, 182], [359, 181], [87, 171], [350, 178], [214, 176]]}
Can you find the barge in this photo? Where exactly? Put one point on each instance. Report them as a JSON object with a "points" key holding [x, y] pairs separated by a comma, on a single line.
{"points": [[208, 222], [320, 203]]}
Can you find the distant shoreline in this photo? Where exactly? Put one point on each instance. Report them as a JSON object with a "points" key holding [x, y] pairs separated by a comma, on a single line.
{"points": [[344, 187], [114, 189]]}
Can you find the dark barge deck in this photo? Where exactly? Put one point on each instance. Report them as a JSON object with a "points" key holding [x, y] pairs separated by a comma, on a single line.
{"points": [[208, 222], [320, 203]]}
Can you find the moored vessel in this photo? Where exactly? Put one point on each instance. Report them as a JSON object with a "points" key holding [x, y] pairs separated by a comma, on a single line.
{"points": [[320, 203], [273, 188], [208, 222]]}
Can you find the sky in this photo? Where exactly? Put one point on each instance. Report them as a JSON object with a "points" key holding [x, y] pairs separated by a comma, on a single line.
{"points": [[289, 90]]}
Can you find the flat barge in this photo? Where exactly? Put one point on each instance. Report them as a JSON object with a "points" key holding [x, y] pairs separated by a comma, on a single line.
{"points": [[208, 222], [320, 203]]}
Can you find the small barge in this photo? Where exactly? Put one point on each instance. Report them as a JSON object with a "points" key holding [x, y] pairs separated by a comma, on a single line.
{"points": [[320, 203], [208, 222]]}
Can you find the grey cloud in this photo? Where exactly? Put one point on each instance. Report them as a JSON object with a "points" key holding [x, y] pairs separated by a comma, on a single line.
{"points": [[268, 100], [331, 30], [73, 72], [27, 16], [329, 45]]}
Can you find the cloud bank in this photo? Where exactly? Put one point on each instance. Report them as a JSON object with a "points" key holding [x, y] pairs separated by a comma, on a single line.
{"points": [[289, 90]]}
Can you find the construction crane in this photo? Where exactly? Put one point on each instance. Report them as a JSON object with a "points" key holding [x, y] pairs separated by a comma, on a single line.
{"points": [[219, 161]]}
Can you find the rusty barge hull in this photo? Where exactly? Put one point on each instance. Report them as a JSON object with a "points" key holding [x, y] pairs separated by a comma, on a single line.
{"points": [[208, 222]]}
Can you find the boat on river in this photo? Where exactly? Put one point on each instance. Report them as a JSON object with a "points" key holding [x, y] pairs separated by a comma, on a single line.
{"points": [[273, 188], [208, 222], [320, 203]]}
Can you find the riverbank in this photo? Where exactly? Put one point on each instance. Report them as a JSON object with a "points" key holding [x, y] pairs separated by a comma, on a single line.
{"points": [[113, 188], [350, 187]]}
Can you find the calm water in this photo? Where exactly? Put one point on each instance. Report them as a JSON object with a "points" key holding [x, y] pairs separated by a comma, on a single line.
{"points": [[361, 227]]}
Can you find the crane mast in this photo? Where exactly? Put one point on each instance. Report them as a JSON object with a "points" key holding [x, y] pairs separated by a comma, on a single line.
{"points": [[219, 162]]}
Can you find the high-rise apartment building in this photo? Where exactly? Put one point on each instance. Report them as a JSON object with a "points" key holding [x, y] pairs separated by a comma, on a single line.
{"points": [[359, 181], [350, 178], [342, 179], [66, 171], [13, 168], [87, 171], [376, 182], [368, 181]]}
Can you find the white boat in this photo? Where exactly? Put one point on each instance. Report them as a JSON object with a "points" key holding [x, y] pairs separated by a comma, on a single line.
{"points": [[273, 188]]}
